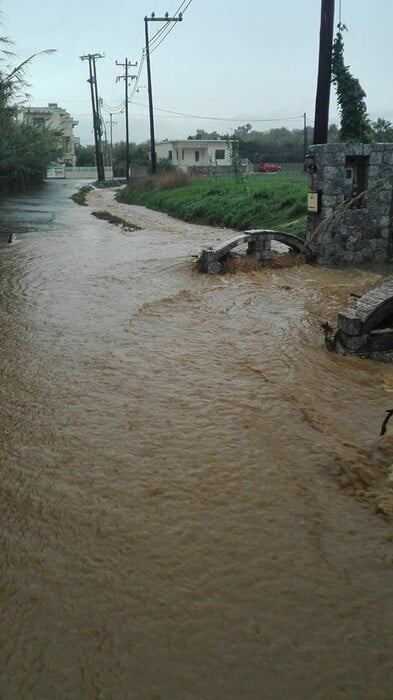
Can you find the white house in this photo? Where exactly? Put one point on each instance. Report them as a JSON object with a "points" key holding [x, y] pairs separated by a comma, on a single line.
{"points": [[57, 119], [195, 153]]}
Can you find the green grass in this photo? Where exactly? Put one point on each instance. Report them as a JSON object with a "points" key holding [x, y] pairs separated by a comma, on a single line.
{"points": [[112, 182], [80, 196], [260, 201], [116, 220]]}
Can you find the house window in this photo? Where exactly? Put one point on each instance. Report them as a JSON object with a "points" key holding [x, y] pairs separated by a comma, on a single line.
{"points": [[196, 156], [220, 154], [38, 121], [182, 154], [170, 155]]}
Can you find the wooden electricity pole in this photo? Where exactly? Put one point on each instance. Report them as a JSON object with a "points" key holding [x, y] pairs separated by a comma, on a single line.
{"points": [[153, 18], [321, 121], [97, 127], [126, 77]]}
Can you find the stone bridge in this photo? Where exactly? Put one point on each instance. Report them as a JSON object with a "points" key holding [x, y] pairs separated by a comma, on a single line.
{"points": [[259, 245], [368, 326]]}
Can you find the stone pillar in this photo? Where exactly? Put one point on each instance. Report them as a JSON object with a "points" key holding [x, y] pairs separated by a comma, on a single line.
{"points": [[261, 248], [208, 262]]}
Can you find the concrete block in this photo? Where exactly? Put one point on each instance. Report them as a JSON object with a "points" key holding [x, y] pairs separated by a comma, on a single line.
{"points": [[349, 323]]}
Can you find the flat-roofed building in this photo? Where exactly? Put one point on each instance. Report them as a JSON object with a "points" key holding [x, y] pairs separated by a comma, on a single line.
{"points": [[196, 154], [57, 119]]}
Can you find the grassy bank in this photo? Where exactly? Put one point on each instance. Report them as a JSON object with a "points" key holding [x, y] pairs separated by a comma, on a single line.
{"points": [[259, 201]]}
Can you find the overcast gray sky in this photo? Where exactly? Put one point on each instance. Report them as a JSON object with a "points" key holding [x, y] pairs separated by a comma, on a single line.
{"points": [[253, 61]]}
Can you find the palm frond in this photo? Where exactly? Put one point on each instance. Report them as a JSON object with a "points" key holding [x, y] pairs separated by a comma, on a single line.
{"points": [[6, 40], [18, 71]]}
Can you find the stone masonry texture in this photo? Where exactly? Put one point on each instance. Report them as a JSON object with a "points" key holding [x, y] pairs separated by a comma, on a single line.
{"points": [[362, 232]]}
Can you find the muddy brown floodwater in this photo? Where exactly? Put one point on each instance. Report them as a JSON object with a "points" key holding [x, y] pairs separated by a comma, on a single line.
{"points": [[195, 501]]}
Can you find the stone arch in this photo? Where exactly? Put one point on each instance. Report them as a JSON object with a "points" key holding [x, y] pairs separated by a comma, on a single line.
{"points": [[259, 244], [368, 326], [378, 315]]}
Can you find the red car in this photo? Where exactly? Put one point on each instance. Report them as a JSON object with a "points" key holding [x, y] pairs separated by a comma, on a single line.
{"points": [[269, 168]]}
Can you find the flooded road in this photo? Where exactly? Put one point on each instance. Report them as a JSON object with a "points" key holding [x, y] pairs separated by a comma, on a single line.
{"points": [[194, 496]]}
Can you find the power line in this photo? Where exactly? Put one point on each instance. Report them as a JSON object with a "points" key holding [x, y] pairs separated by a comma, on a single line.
{"points": [[180, 10], [108, 108], [155, 41], [164, 36], [180, 115], [223, 119], [141, 63], [158, 33], [167, 27]]}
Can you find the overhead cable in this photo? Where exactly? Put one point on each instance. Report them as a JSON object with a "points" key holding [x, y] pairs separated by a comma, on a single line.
{"points": [[222, 119]]}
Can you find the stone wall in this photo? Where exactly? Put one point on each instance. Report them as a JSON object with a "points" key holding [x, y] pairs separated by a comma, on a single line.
{"points": [[351, 229]]}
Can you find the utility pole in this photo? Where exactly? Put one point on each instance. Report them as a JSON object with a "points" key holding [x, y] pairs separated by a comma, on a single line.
{"points": [[105, 152], [305, 145], [96, 112], [153, 18], [126, 65], [321, 121], [111, 124]]}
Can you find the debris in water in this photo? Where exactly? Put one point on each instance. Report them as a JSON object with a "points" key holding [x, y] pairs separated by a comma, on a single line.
{"points": [[386, 420], [330, 337]]}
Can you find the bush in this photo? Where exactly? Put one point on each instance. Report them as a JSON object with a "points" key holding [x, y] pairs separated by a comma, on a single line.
{"points": [[80, 196], [165, 181]]}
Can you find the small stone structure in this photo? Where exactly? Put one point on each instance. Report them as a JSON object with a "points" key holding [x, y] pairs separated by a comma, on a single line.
{"points": [[259, 245], [366, 328], [350, 205]]}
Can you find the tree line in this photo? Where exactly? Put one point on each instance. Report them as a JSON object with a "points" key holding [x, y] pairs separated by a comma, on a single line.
{"points": [[280, 145], [139, 155]]}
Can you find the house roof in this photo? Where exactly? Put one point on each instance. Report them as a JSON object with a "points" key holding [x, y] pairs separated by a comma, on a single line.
{"points": [[192, 143]]}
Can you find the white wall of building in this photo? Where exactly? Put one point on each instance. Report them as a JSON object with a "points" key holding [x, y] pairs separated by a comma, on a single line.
{"points": [[57, 119], [195, 153]]}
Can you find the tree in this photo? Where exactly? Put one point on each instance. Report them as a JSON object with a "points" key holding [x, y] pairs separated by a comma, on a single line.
{"points": [[333, 133], [202, 135], [25, 150], [241, 132], [85, 156], [382, 130], [355, 124], [25, 153]]}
